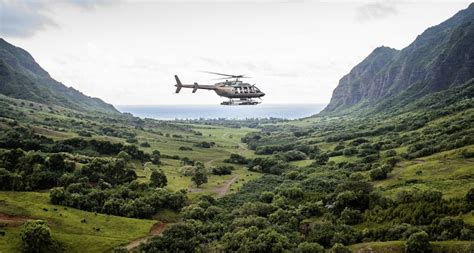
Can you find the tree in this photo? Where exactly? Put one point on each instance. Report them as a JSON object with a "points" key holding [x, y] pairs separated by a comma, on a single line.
{"points": [[418, 243], [237, 159], [57, 195], [350, 216], [339, 248], [124, 155], [470, 196], [266, 197], [158, 179], [310, 247], [199, 177], [222, 170], [378, 174], [56, 162], [36, 238], [155, 157], [321, 159]]}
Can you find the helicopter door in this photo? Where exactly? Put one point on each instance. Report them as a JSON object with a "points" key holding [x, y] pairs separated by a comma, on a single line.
{"points": [[246, 90]]}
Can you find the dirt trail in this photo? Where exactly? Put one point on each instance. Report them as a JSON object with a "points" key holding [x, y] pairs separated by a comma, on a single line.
{"points": [[157, 229], [220, 190], [13, 221]]}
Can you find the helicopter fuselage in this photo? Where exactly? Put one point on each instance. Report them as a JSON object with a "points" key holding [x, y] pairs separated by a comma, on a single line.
{"points": [[235, 89]]}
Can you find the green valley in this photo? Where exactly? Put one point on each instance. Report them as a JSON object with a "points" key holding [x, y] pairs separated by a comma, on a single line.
{"points": [[388, 166]]}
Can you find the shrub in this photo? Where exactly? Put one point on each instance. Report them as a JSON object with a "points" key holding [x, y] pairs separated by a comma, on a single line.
{"points": [[236, 159], [199, 177], [350, 216], [470, 196], [124, 155], [339, 248], [378, 174], [266, 197], [418, 243], [310, 247], [36, 238], [222, 170], [145, 144], [158, 179], [321, 159]]}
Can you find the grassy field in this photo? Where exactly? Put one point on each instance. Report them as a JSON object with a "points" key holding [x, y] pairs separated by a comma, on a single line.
{"points": [[447, 172], [399, 247], [168, 138], [66, 225]]}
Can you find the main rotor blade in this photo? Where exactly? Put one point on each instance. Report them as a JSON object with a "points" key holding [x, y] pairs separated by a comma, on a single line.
{"points": [[228, 75], [215, 73]]}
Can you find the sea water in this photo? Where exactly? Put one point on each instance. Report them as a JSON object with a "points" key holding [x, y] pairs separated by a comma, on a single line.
{"points": [[171, 112]]}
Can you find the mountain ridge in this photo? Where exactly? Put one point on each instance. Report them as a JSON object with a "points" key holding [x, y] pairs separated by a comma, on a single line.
{"points": [[438, 59], [23, 78]]}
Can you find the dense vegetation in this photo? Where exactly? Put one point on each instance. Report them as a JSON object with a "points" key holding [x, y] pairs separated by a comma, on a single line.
{"points": [[402, 176]]}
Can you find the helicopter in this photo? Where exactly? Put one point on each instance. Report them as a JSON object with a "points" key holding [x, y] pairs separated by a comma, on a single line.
{"points": [[238, 92]]}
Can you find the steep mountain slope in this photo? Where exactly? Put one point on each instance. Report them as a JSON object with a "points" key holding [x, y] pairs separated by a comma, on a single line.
{"points": [[440, 58], [21, 77]]}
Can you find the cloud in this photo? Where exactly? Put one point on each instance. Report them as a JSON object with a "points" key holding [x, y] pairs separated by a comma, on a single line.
{"points": [[25, 18], [376, 10]]}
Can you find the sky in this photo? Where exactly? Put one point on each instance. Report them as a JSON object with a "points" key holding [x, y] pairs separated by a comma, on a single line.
{"points": [[127, 52]]}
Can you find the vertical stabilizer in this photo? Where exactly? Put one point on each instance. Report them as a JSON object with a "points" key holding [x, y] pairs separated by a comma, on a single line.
{"points": [[178, 84]]}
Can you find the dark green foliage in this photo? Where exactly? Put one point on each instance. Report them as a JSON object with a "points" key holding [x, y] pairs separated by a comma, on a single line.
{"points": [[183, 148], [31, 171], [36, 238], [310, 247], [270, 165], [124, 155], [178, 238], [378, 174], [130, 200], [204, 144], [199, 177], [158, 179], [145, 144], [155, 157], [339, 248], [321, 159], [293, 155], [254, 240], [418, 243], [111, 171], [351, 217], [267, 197], [236, 159], [222, 170], [470, 196]]}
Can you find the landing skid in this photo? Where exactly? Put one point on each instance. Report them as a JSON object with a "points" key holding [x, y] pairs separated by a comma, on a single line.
{"points": [[242, 101]]}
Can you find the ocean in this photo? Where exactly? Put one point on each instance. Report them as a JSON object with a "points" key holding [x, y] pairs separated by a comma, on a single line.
{"points": [[172, 112]]}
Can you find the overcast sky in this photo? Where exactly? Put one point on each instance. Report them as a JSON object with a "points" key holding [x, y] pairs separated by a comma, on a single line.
{"points": [[127, 52]]}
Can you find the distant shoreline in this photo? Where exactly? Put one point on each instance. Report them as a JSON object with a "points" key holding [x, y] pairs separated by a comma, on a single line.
{"points": [[199, 111]]}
